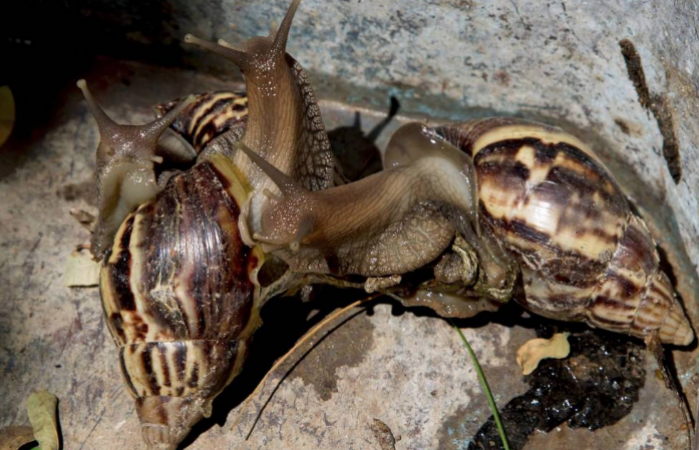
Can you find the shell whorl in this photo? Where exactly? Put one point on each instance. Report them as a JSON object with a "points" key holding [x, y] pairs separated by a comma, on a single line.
{"points": [[208, 116], [584, 255], [180, 301]]}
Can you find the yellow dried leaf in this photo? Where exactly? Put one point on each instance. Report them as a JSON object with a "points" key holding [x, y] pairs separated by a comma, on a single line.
{"points": [[41, 409], [7, 113], [13, 437], [81, 270], [533, 351]]}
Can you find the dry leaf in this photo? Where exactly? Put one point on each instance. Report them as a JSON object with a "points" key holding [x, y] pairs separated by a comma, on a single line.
{"points": [[533, 351], [81, 270], [41, 409], [13, 437]]}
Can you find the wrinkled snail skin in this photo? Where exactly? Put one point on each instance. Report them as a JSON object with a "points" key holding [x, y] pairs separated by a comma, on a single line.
{"points": [[389, 223], [583, 253]]}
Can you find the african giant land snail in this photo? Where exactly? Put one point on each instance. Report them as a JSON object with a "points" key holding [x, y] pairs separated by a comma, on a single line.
{"points": [[479, 201]]}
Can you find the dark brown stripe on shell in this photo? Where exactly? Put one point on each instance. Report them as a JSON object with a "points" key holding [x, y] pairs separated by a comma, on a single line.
{"points": [[162, 409], [206, 127], [610, 303], [117, 323], [610, 325], [583, 159], [125, 373], [148, 368], [194, 378], [507, 148], [636, 250], [521, 229], [627, 287], [121, 271], [180, 358], [545, 154], [587, 186], [513, 173], [165, 366], [464, 135], [162, 242], [140, 327], [565, 267], [191, 118]]}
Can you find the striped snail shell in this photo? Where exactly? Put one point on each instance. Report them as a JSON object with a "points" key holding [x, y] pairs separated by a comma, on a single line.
{"points": [[584, 255], [179, 293], [208, 116]]}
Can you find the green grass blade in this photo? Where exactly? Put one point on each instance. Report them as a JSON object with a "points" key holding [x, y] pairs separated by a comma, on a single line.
{"points": [[486, 388]]}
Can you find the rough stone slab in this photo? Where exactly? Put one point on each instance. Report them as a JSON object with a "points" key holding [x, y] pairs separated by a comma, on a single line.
{"points": [[406, 370]]}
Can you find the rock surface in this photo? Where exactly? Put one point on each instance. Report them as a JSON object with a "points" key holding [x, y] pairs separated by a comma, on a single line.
{"points": [[557, 62]]}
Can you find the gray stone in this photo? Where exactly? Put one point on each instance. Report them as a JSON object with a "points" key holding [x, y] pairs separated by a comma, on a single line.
{"points": [[445, 60]]}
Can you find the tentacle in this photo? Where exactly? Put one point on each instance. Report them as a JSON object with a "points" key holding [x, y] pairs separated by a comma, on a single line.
{"points": [[286, 184], [288, 219], [240, 58], [125, 171], [284, 124], [129, 141], [104, 122], [272, 47]]}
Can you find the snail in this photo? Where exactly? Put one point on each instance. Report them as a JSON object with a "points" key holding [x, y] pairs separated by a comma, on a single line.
{"points": [[178, 285], [537, 193], [479, 204]]}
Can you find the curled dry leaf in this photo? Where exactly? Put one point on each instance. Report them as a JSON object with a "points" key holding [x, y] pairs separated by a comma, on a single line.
{"points": [[41, 409], [81, 270], [14, 437], [533, 351]]}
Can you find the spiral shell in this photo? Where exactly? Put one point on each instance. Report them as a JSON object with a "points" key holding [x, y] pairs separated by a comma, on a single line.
{"points": [[178, 292], [584, 255], [208, 116]]}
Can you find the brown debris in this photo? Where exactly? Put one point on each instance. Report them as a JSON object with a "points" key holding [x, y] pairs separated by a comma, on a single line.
{"points": [[658, 105], [383, 435]]}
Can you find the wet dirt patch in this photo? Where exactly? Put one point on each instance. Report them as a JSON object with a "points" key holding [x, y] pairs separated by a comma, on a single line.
{"points": [[593, 388], [346, 346]]}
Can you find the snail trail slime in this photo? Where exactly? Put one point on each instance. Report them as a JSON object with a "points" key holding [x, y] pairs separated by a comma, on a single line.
{"points": [[486, 208]]}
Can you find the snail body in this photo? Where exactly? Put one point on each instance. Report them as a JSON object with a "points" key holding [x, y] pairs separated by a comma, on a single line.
{"points": [[540, 194]]}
